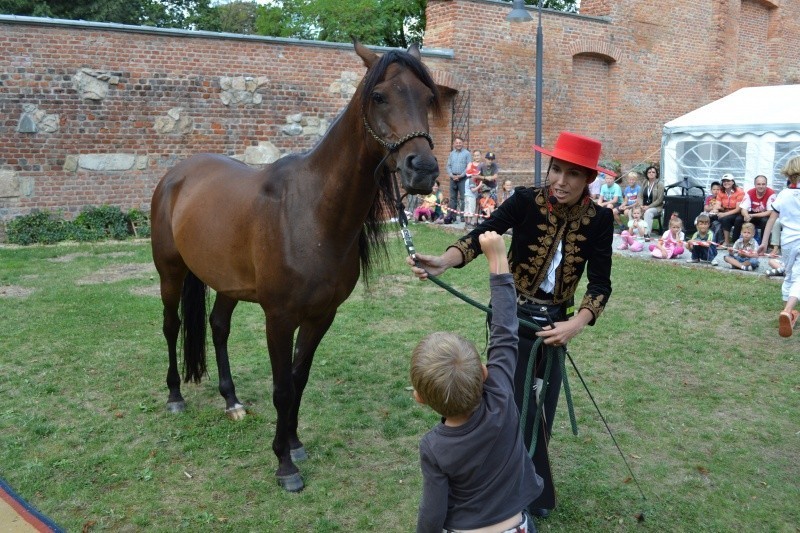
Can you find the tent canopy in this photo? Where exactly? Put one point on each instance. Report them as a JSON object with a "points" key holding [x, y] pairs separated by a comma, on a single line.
{"points": [[753, 131]]}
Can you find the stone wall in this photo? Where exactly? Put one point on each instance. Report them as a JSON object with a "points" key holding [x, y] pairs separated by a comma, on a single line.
{"points": [[94, 114]]}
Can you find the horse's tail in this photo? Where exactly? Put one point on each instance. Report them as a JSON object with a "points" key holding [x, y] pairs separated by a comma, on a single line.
{"points": [[193, 325]]}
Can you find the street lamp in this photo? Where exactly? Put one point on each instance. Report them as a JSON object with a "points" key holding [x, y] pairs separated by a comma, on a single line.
{"points": [[520, 14]]}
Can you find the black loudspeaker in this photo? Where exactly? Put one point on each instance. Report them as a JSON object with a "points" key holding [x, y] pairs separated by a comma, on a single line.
{"points": [[687, 208]]}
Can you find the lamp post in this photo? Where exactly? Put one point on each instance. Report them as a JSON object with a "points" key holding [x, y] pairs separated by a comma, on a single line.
{"points": [[520, 14]]}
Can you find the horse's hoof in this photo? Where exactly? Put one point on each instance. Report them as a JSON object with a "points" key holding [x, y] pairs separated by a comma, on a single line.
{"points": [[291, 483], [176, 407], [237, 412], [298, 454]]}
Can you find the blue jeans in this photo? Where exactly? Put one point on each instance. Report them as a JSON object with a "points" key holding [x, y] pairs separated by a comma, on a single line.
{"points": [[703, 253], [457, 195]]}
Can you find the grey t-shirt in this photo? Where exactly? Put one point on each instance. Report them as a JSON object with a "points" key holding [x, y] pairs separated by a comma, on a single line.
{"points": [[479, 473]]}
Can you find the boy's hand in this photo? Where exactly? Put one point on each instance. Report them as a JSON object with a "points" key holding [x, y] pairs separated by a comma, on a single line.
{"points": [[494, 247]]}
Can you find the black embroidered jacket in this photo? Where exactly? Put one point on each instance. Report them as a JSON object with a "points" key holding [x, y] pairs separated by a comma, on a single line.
{"points": [[585, 229]]}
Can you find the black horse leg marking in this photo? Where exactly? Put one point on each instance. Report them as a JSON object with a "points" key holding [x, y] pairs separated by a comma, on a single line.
{"points": [[220, 321], [308, 339]]}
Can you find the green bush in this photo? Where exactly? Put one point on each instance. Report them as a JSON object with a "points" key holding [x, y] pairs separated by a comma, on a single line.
{"points": [[142, 222], [98, 223], [91, 224], [40, 226]]}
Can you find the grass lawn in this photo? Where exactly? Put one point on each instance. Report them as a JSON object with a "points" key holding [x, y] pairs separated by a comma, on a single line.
{"points": [[686, 364]]}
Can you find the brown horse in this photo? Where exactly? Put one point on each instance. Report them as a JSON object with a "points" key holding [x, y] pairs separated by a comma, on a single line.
{"points": [[291, 237]]}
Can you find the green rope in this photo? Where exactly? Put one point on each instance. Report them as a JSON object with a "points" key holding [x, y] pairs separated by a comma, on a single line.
{"points": [[550, 353]]}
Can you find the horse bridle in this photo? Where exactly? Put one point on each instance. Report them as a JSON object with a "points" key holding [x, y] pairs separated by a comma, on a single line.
{"points": [[393, 147]]}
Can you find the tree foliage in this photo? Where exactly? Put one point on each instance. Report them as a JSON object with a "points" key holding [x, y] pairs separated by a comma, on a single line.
{"points": [[569, 6], [379, 22], [161, 13]]}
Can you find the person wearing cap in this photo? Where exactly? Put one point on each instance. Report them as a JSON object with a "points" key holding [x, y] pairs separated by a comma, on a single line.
{"points": [[558, 232], [486, 204], [489, 172], [730, 197]]}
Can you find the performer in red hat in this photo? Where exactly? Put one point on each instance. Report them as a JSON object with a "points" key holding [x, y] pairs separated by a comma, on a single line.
{"points": [[558, 232]]}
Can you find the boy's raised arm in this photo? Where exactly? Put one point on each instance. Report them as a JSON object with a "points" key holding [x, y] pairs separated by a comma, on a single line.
{"points": [[494, 247]]}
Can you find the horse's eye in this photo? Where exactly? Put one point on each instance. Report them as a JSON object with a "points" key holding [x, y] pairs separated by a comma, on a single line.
{"points": [[378, 98], [431, 100]]}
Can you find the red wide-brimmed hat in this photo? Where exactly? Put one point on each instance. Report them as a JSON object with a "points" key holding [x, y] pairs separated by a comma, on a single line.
{"points": [[574, 148]]}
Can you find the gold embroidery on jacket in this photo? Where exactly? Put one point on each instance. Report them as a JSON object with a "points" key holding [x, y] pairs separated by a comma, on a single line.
{"points": [[566, 224]]}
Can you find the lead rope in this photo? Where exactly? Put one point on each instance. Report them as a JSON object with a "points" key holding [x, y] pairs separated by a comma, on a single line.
{"points": [[550, 352]]}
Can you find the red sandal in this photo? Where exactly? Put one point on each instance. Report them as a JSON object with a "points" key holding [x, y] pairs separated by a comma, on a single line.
{"points": [[786, 322]]}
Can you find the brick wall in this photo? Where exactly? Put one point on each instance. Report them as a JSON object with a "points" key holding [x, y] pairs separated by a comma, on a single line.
{"points": [[165, 95]]}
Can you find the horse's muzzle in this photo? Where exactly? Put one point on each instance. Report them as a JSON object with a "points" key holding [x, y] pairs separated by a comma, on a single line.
{"points": [[418, 173]]}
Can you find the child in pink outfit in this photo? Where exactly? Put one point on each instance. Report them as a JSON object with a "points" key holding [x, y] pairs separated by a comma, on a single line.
{"points": [[636, 228], [670, 245]]}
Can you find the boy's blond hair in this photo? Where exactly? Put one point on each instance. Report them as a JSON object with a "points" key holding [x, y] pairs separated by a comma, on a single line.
{"points": [[792, 167], [447, 373], [750, 226]]}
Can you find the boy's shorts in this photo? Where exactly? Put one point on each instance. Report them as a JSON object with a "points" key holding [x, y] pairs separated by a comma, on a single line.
{"points": [[753, 260]]}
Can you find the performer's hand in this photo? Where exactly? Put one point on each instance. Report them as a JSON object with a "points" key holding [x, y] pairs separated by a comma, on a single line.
{"points": [[562, 332], [426, 264]]}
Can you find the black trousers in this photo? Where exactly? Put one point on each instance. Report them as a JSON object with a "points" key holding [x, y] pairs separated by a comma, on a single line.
{"points": [[541, 460]]}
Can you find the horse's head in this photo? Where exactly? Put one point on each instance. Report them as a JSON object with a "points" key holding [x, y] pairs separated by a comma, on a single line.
{"points": [[395, 97]]}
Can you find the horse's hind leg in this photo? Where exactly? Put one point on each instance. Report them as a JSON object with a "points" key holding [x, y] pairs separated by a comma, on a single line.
{"points": [[171, 284], [308, 339], [220, 321]]}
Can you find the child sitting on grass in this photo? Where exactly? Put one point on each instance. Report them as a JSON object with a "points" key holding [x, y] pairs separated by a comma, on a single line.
{"points": [[476, 472], [670, 244], [744, 254], [636, 228], [702, 243]]}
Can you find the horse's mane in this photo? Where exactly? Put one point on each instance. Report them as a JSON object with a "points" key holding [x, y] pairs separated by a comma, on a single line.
{"points": [[373, 234]]}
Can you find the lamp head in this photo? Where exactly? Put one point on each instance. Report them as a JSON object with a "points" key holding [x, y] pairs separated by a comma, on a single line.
{"points": [[518, 12]]}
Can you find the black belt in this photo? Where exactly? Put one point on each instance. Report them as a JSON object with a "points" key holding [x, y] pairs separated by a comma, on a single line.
{"points": [[539, 298]]}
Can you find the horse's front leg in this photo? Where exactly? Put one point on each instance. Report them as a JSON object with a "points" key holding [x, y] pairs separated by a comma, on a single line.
{"points": [[220, 322], [308, 339], [280, 334]]}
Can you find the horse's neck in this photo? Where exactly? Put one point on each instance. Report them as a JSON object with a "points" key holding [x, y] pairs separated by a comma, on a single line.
{"points": [[347, 167]]}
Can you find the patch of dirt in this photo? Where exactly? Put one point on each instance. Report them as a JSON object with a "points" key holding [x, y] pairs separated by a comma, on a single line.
{"points": [[15, 291], [119, 272], [71, 257], [150, 290]]}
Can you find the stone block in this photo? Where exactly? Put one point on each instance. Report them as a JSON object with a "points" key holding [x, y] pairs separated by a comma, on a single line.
{"points": [[9, 184], [263, 154], [106, 161]]}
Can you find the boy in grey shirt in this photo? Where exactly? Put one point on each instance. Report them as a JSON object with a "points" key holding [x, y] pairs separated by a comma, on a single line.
{"points": [[476, 472]]}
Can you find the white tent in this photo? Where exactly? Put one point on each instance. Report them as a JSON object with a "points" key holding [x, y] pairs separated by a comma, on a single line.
{"points": [[752, 131]]}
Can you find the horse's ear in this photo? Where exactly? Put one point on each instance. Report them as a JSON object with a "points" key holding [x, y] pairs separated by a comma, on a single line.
{"points": [[365, 53], [414, 51]]}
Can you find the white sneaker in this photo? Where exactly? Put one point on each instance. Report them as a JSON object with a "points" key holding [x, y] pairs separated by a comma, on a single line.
{"points": [[714, 263]]}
